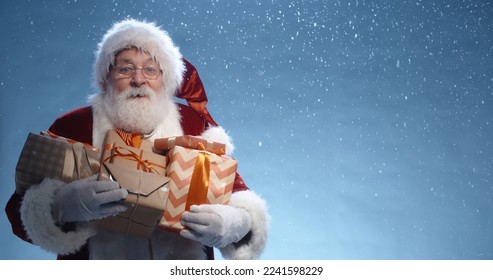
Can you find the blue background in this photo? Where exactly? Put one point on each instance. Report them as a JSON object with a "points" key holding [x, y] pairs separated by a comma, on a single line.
{"points": [[366, 125]]}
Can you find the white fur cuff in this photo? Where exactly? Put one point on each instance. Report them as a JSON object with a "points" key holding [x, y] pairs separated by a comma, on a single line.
{"points": [[219, 135], [40, 226], [257, 208]]}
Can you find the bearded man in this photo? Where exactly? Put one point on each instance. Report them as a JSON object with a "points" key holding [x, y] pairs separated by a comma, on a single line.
{"points": [[138, 71]]}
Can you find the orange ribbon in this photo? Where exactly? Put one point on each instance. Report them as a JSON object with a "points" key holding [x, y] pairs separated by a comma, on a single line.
{"points": [[201, 147], [144, 164], [199, 183]]}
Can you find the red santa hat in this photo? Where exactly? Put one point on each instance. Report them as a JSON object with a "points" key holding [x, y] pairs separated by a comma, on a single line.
{"points": [[145, 36]]}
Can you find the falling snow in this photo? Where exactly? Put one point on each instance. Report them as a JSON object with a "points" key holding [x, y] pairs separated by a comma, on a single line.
{"points": [[366, 125]]}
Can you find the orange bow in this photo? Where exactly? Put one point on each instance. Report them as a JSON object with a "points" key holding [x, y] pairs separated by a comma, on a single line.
{"points": [[201, 147], [142, 164], [131, 139]]}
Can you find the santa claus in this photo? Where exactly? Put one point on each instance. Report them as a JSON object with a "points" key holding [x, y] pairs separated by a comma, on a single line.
{"points": [[138, 71]]}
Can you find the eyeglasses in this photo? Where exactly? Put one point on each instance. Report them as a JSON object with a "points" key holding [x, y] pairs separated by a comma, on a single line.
{"points": [[150, 72]]}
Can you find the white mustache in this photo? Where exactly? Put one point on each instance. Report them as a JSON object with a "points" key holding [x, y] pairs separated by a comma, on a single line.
{"points": [[139, 92]]}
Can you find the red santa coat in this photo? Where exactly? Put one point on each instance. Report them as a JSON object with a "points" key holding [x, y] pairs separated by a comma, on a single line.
{"points": [[78, 125]]}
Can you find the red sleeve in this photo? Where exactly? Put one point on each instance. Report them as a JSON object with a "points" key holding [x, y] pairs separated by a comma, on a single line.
{"points": [[75, 125], [239, 184], [13, 213]]}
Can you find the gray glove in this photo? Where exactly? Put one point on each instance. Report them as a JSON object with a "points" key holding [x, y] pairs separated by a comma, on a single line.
{"points": [[88, 199], [215, 225]]}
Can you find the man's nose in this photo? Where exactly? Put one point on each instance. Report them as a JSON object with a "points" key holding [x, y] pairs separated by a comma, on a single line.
{"points": [[138, 79]]}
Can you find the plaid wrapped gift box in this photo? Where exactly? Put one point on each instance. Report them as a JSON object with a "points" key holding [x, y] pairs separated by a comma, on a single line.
{"points": [[51, 156], [197, 177], [142, 173]]}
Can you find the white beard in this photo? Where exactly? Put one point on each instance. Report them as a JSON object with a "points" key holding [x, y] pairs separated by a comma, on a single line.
{"points": [[156, 113], [135, 109]]}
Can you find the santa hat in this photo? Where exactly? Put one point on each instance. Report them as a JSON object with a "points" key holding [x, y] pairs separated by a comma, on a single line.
{"points": [[145, 36]]}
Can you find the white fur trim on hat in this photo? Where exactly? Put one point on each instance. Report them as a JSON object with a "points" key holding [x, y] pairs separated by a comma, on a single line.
{"points": [[147, 37], [40, 226], [219, 135], [257, 208]]}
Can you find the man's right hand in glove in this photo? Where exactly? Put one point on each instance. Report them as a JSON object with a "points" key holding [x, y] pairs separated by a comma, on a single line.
{"points": [[88, 199]]}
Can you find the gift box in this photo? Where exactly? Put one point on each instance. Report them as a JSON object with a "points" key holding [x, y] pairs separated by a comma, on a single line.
{"points": [[197, 177], [47, 155], [142, 173], [132, 152], [188, 141]]}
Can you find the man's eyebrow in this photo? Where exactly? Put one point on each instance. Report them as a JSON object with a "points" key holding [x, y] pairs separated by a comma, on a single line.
{"points": [[130, 60]]}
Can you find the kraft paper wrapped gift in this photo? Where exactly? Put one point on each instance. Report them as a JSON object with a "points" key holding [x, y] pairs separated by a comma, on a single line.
{"points": [[197, 177], [142, 173], [47, 155]]}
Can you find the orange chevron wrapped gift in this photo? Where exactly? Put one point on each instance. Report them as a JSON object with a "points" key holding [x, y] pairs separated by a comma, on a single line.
{"points": [[197, 177]]}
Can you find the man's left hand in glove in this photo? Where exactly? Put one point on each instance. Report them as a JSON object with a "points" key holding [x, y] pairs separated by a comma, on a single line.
{"points": [[215, 225]]}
